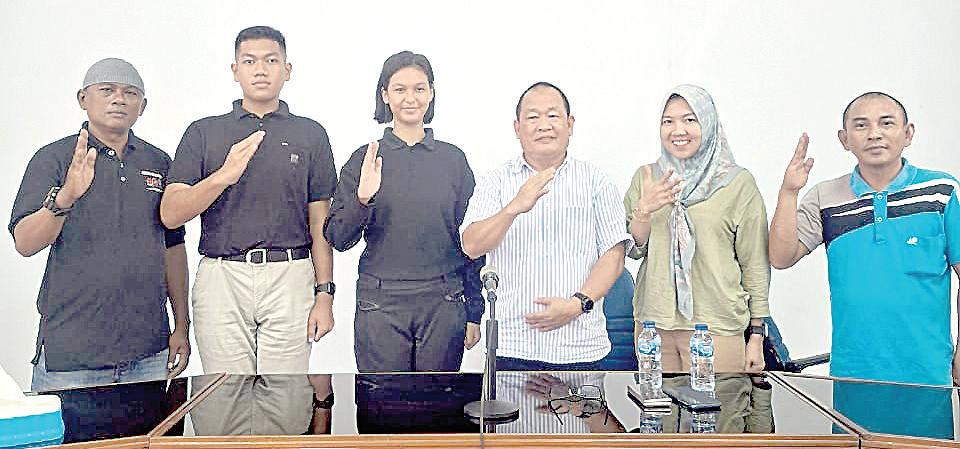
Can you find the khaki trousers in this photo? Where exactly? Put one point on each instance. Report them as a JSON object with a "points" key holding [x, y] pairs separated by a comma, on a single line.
{"points": [[252, 319]]}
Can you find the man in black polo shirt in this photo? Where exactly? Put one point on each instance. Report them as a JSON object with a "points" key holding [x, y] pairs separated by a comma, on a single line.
{"points": [[261, 177], [94, 198]]}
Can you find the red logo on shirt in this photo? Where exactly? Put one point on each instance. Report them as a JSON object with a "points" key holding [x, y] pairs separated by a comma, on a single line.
{"points": [[153, 182]]}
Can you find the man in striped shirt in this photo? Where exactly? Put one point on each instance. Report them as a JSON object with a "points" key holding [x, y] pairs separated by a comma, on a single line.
{"points": [[554, 227], [891, 232]]}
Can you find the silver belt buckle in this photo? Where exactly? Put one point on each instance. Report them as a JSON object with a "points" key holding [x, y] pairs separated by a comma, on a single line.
{"points": [[263, 256]]}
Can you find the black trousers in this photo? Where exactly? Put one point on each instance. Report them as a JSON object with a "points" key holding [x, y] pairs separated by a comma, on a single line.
{"points": [[409, 325]]}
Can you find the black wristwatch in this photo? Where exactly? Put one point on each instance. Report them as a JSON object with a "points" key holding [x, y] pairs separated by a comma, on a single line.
{"points": [[326, 287], [586, 304], [757, 330], [50, 202]]}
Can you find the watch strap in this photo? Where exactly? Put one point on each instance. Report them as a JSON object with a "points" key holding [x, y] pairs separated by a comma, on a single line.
{"points": [[50, 202], [758, 330], [586, 303], [326, 287]]}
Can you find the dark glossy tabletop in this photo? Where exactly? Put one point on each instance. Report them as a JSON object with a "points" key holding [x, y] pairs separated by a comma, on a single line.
{"points": [[884, 407], [434, 403]]}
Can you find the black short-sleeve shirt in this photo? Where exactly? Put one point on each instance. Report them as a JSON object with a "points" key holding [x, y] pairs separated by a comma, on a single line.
{"points": [[103, 297], [267, 207]]}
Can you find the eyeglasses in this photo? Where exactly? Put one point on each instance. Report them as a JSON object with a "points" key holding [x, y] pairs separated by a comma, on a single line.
{"points": [[589, 398]]}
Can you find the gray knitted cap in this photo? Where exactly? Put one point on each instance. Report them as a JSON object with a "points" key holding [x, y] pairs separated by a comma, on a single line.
{"points": [[113, 70]]}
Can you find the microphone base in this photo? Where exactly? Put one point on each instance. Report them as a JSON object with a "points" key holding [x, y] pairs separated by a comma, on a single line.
{"points": [[492, 410]]}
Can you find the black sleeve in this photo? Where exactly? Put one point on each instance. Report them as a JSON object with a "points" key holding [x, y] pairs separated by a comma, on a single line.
{"points": [[472, 288], [323, 172], [187, 165], [174, 237], [46, 169], [347, 218]]}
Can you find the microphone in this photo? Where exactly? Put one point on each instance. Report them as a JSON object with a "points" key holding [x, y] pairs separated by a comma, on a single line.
{"points": [[489, 278]]}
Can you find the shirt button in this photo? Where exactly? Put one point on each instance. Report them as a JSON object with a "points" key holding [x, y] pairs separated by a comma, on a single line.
{"points": [[879, 219], [261, 124], [123, 179], [111, 152]]}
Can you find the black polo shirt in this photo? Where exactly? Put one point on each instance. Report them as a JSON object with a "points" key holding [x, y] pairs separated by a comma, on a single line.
{"points": [[267, 208], [411, 226], [104, 291]]}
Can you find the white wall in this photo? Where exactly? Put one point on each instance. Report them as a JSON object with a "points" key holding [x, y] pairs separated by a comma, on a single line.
{"points": [[775, 69]]}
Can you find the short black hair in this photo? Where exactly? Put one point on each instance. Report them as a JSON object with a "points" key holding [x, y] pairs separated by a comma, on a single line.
{"points": [[874, 94], [261, 32], [566, 104], [382, 113]]}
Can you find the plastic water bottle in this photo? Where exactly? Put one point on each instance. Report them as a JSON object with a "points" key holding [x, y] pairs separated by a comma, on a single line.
{"points": [[704, 422], [702, 375], [651, 422], [648, 356]]}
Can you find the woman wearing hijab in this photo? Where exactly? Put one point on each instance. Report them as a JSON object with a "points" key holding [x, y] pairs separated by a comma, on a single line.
{"points": [[701, 228], [406, 195]]}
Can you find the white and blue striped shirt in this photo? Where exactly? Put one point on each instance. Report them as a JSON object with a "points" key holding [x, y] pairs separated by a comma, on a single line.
{"points": [[549, 251]]}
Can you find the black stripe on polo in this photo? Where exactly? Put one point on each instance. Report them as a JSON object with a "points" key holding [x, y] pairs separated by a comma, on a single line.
{"points": [[835, 225], [944, 189], [919, 205]]}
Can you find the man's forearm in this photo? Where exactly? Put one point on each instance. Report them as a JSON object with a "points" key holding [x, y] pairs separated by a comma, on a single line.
{"points": [[784, 241], [37, 231], [320, 250], [604, 273], [182, 202], [483, 236], [175, 263]]}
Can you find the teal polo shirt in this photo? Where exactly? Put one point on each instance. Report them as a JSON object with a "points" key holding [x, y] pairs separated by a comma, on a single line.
{"points": [[889, 254]]}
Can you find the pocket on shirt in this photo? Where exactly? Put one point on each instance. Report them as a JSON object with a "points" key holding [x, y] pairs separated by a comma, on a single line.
{"points": [[924, 255], [575, 230]]}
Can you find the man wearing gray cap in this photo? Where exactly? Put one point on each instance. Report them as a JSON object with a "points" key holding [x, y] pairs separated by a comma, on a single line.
{"points": [[94, 199]]}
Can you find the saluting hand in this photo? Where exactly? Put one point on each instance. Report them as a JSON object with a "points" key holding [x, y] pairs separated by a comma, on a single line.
{"points": [[656, 193], [531, 191], [239, 156], [80, 173], [370, 174], [799, 168]]}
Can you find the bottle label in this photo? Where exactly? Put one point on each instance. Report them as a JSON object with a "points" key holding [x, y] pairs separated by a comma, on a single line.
{"points": [[701, 350]]}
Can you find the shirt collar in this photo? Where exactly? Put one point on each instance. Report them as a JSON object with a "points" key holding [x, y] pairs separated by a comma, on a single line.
{"points": [[92, 141], [392, 142], [900, 182], [239, 112], [517, 165]]}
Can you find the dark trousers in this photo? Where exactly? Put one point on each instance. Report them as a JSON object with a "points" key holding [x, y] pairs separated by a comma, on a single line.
{"points": [[409, 325], [514, 364]]}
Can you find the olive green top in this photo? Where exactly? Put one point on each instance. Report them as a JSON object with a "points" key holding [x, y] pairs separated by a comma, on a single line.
{"points": [[730, 270]]}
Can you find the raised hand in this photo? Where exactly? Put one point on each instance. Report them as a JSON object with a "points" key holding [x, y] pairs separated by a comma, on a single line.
{"points": [[80, 173], [656, 193], [799, 168], [370, 174], [239, 156], [531, 191]]}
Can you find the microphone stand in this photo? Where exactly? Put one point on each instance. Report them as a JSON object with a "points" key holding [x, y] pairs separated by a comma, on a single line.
{"points": [[489, 410]]}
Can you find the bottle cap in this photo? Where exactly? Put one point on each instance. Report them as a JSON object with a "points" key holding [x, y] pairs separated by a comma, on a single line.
{"points": [[648, 324], [700, 327]]}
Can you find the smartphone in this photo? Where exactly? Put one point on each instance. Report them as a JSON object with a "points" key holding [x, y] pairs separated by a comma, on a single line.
{"points": [[635, 394], [694, 400]]}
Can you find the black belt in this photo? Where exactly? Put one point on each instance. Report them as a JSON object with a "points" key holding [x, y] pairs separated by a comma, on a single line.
{"points": [[259, 256]]}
